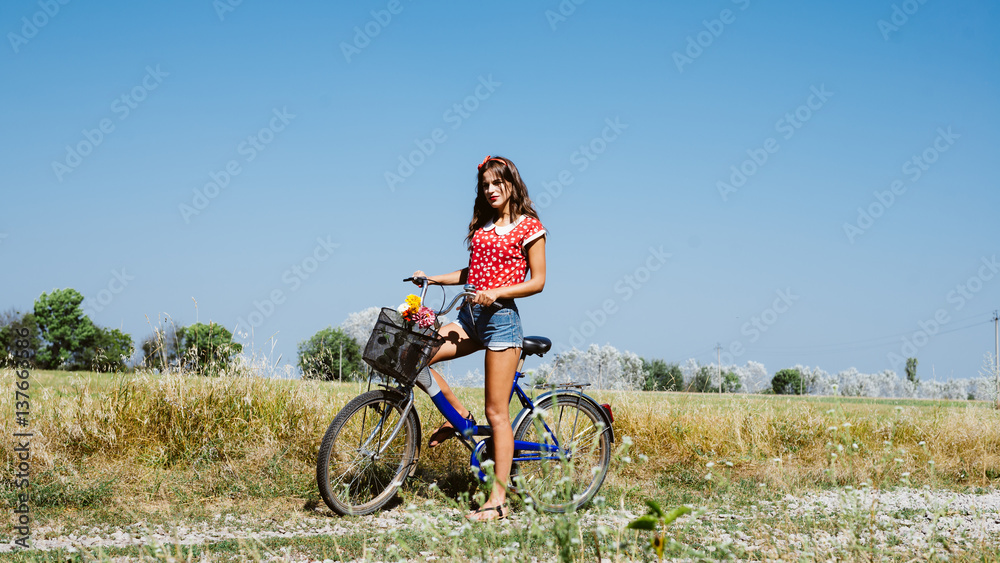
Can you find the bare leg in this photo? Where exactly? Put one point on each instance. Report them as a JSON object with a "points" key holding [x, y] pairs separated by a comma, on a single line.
{"points": [[500, 367], [457, 344]]}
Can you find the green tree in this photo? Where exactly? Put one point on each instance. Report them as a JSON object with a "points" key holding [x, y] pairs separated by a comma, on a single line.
{"points": [[11, 323], [731, 382], [787, 382], [64, 329], [704, 381], [208, 348], [911, 370], [661, 376], [320, 357], [111, 350]]}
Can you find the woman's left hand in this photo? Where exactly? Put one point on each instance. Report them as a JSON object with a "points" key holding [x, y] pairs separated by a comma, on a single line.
{"points": [[486, 298]]}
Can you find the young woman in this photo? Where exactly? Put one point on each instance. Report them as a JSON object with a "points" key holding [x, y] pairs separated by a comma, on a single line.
{"points": [[507, 260]]}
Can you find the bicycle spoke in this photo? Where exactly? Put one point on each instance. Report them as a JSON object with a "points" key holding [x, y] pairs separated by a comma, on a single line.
{"points": [[572, 474], [362, 469]]}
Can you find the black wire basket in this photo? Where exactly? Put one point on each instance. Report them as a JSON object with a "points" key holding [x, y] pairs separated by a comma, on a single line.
{"points": [[400, 349]]}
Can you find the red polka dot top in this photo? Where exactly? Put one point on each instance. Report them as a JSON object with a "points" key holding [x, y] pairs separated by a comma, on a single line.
{"points": [[498, 257]]}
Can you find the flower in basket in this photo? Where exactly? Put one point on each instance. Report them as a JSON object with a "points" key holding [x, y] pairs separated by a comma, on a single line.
{"points": [[409, 308], [412, 312], [425, 317]]}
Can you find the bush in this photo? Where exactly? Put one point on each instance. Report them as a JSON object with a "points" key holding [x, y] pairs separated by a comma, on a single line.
{"points": [[703, 381], [329, 355], [787, 382], [661, 376], [111, 350], [209, 348]]}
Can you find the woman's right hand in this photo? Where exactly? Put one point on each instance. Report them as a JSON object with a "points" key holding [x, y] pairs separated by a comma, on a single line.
{"points": [[417, 275]]}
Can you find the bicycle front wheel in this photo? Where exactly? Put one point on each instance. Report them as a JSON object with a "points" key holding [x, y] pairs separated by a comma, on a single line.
{"points": [[575, 458], [361, 464]]}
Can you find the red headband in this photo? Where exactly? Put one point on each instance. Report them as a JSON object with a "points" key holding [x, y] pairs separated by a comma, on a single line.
{"points": [[487, 159]]}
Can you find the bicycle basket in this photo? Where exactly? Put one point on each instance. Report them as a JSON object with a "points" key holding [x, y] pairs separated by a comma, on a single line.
{"points": [[400, 349]]}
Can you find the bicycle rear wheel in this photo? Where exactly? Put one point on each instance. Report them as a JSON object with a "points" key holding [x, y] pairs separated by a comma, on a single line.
{"points": [[557, 481], [360, 465]]}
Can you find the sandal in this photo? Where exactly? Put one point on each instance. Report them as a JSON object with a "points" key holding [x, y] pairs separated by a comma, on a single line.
{"points": [[446, 431], [501, 510]]}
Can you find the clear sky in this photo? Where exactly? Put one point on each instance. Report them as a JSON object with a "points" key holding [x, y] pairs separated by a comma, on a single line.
{"points": [[801, 182]]}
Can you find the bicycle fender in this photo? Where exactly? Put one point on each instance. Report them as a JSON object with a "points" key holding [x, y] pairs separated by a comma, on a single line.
{"points": [[550, 395]]}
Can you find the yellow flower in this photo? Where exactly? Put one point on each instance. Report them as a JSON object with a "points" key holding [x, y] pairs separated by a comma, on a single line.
{"points": [[413, 301]]}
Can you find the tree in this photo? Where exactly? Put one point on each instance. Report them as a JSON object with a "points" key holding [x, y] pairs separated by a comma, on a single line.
{"points": [[704, 381], [329, 355], [11, 324], [209, 347], [65, 330], [787, 382], [731, 382], [911, 370], [604, 367], [661, 376], [110, 351], [359, 325]]}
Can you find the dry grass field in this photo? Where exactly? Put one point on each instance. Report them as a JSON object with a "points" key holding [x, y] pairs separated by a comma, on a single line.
{"points": [[115, 449]]}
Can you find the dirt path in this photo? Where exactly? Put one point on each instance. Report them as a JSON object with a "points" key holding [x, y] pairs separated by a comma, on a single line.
{"points": [[902, 521]]}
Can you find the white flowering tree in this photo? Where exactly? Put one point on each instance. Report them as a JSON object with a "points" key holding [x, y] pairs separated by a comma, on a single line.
{"points": [[754, 378], [604, 367], [887, 383], [359, 325]]}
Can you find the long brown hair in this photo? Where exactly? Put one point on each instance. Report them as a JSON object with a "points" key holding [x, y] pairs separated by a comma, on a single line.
{"points": [[520, 203]]}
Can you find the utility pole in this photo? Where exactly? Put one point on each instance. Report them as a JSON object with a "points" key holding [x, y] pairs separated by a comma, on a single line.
{"points": [[996, 333], [718, 349], [340, 364], [996, 354]]}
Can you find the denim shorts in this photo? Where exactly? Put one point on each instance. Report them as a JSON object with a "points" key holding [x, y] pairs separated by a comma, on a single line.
{"points": [[497, 327]]}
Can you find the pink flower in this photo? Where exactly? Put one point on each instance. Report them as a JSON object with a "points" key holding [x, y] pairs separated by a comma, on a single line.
{"points": [[425, 317]]}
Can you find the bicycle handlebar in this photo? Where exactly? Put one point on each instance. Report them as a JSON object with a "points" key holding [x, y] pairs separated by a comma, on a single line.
{"points": [[468, 291]]}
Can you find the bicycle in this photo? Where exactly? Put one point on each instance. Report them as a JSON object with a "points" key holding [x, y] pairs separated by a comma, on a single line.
{"points": [[562, 438]]}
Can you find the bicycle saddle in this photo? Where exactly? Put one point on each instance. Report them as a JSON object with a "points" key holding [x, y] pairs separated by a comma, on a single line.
{"points": [[537, 345]]}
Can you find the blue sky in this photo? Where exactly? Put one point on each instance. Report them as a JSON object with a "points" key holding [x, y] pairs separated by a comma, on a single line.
{"points": [[797, 182]]}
